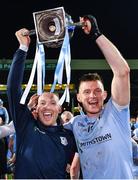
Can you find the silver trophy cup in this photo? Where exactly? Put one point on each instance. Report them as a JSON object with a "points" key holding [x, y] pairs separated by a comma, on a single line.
{"points": [[50, 26]]}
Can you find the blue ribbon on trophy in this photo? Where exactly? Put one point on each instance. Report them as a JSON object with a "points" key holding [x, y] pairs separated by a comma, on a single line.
{"points": [[53, 28], [40, 69], [64, 58], [39, 63]]}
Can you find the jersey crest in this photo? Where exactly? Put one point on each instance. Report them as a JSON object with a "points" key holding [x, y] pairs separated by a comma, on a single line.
{"points": [[64, 141]]}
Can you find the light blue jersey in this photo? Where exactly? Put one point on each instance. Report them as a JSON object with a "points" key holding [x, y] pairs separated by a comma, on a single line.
{"points": [[104, 144]]}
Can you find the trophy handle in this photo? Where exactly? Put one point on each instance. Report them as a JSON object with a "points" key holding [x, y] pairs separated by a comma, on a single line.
{"points": [[30, 33], [70, 25]]}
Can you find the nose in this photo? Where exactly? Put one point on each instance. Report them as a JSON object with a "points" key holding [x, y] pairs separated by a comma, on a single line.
{"points": [[92, 94]]}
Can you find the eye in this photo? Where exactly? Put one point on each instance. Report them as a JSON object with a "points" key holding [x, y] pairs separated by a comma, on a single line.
{"points": [[42, 103], [86, 91], [97, 91], [53, 102]]}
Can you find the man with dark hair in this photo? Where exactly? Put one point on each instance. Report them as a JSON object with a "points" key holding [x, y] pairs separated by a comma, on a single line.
{"points": [[103, 133], [91, 77]]}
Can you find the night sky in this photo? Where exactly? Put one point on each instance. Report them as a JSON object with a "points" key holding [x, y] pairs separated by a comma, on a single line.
{"points": [[117, 19]]}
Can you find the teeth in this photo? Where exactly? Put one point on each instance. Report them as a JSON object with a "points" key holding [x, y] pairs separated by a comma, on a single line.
{"points": [[92, 102], [47, 114]]}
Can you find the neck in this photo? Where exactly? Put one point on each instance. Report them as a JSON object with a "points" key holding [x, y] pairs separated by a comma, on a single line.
{"points": [[93, 115]]}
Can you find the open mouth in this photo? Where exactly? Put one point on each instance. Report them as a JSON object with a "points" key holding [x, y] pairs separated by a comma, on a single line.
{"points": [[93, 103], [47, 115]]}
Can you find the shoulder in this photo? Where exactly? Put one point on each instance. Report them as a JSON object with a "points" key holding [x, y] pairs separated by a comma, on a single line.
{"points": [[112, 104], [68, 132], [77, 118]]}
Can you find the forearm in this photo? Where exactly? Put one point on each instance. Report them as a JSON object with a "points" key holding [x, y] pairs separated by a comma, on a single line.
{"points": [[75, 167], [112, 55], [74, 176], [14, 82], [74, 173], [15, 76]]}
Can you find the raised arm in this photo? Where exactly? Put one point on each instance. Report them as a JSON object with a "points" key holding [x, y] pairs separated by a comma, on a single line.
{"points": [[120, 88], [15, 76]]}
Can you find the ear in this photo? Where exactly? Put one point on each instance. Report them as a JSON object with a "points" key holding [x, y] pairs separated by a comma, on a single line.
{"points": [[78, 97], [105, 95]]}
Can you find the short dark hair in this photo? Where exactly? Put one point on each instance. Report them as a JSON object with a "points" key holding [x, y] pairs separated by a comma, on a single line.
{"points": [[89, 77]]}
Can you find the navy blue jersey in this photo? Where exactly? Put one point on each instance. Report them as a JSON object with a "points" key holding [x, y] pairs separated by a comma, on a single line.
{"points": [[41, 152]]}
